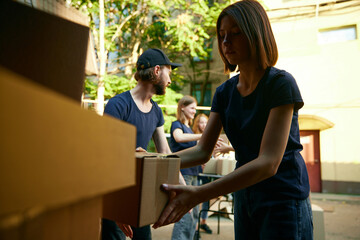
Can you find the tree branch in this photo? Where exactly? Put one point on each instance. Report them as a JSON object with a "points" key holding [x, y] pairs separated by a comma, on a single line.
{"points": [[117, 32]]}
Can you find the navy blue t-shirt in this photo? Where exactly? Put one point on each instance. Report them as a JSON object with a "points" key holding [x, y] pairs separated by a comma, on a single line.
{"points": [[244, 120], [178, 146], [123, 107]]}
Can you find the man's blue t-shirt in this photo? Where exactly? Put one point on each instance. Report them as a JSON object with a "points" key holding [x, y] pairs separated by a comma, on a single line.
{"points": [[123, 107], [178, 146], [244, 120]]}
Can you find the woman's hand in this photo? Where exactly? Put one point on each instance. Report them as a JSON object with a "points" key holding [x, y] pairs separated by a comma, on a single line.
{"points": [[126, 229], [182, 200], [221, 148]]}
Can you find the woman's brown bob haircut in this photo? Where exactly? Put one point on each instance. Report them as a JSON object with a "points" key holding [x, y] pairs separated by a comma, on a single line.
{"points": [[253, 21], [184, 102]]}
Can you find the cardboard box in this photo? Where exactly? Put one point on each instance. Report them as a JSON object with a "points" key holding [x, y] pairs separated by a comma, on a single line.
{"points": [[53, 152], [225, 166], [43, 48], [142, 204], [56, 162], [80, 220], [211, 166], [56, 159]]}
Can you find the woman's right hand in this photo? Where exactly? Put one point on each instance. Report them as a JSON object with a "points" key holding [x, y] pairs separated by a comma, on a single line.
{"points": [[126, 229], [182, 200]]}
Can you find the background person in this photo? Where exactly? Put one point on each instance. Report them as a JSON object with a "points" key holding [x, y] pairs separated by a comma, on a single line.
{"points": [[220, 148], [198, 128], [258, 109], [182, 137], [136, 107]]}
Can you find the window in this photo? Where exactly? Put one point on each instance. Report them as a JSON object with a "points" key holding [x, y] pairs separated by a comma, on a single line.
{"points": [[340, 34]]}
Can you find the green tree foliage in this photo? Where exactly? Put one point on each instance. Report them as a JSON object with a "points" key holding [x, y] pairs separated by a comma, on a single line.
{"points": [[183, 29], [195, 31]]}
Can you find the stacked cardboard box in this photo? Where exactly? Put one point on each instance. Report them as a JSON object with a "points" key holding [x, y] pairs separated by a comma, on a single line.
{"points": [[220, 166], [211, 166], [56, 159], [225, 166]]}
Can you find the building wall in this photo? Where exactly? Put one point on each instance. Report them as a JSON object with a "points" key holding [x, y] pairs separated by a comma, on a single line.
{"points": [[329, 81]]}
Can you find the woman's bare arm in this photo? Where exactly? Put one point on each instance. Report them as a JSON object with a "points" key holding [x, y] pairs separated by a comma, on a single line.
{"points": [[272, 149], [180, 136]]}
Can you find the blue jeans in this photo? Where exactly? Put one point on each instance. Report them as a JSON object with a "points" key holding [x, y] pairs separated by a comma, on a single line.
{"points": [[205, 205], [186, 227], [260, 216], [111, 231]]}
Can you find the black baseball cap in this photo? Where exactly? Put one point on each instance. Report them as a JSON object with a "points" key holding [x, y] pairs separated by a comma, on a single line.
{"points": [[152, 57]]}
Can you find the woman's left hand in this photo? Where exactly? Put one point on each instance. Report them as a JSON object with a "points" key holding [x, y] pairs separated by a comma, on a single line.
{"points": [[182, 200]]}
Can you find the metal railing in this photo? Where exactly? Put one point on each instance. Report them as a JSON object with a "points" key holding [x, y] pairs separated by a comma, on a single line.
{"points": [[91, 104]]}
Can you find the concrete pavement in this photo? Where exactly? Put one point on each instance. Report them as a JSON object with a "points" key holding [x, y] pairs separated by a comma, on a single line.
{"points": [[341, 220]]}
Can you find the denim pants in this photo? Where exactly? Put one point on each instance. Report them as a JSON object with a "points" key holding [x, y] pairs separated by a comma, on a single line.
{"points": [[186, 227], [111, 231], [204, 205], [261, 216]]}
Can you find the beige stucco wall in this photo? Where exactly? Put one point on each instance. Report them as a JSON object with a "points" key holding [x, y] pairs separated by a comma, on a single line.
{"points": [[329, 80]]}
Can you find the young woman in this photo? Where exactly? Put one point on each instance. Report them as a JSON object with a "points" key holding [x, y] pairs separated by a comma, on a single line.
{"points": [[258, 109], [182, 137], [199, 127], [200, 123]]}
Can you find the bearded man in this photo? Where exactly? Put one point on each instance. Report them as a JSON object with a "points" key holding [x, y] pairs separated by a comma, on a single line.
{"points": [[136, 107]]}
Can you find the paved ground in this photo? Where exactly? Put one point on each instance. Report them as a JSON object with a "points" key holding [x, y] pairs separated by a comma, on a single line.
{"points": [[341, 215], [341, 220]]}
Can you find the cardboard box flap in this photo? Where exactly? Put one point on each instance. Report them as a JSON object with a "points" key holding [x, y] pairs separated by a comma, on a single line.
{"points": [[155, 155]]}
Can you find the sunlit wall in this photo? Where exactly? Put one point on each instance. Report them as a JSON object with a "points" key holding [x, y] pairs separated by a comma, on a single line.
{"points": [[323, 54]]}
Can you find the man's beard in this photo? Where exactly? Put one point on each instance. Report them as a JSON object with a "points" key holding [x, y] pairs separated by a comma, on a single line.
{"points": [[160, 87]]}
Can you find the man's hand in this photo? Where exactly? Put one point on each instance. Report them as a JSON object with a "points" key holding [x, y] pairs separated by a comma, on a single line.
{"points": [[140, 149]]}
